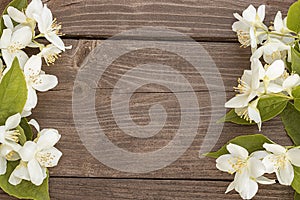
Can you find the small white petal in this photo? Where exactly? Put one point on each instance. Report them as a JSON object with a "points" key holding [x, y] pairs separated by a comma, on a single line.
{"points": [[22, 36], [285, 174], [13, 180], [278, 22], [35, 7], [52, 154], [3, 163], [224, 163], [239, 101], [45, 82], [259, 154], [48, 138], [275, 70], [237, 151], [56, 40], [35, 172], [269, 162], [230, 187], [250, 13], [265, 181], [256, 167], [33, 66], [274, 88], [35, 124], [16, 15], [254, 115], [5, 38], [245, 186], [291, 82], [27, 152], [31, 99], [275, 148], [7, 22], [261, 12], [21, 172], [253, 38], [13, 121], [294, 156]]}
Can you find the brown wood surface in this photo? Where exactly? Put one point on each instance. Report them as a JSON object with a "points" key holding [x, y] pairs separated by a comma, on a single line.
{"points": [[86, 23]]}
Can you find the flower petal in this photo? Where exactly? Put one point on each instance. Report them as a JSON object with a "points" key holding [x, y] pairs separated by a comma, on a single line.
{"points": [[13, 121], [35, 124], [285, 174], [274, 88], [230, 187], [237, 151], [250, 13], [14, 180], [35, 7], [21, 171], [294, 156], [278, 22], [7, 22], [22, 37], [261, 12], [45, 82], [33, 66], [56, 40], [5, 38], [239, 101], [48, 138], [35, 172], [3, 164], [269, 162], [291, 82], [224, 163], [275, 148], [31, 99], [275, 70], [27, 152], [245, 186], [265, 181], [49, 157], [256, 167], [259, 154], [16, 15]]}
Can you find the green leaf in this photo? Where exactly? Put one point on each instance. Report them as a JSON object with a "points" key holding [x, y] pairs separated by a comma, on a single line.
{"points": [[296, 95], [295, 60], [27, 129], [231, 116], [250, 142], [293, 22], [22, 136], [13, 92], [296, 181], [25, 190], [296, 196], [270, 106], [19, 4], [291, 121]]}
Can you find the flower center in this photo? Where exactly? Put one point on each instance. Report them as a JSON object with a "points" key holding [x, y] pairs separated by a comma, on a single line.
{"points": [[13, 135], [45, 159], [238, 165], [244, 38], [13, 48], [242, 87], [56, 27]]}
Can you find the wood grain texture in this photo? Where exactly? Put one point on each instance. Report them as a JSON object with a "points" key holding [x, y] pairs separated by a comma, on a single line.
{"points": [[55, 110], [203, 20]]}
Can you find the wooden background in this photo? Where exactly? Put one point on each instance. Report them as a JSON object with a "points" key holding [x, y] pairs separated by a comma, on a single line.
{"points": [[86, 24]]}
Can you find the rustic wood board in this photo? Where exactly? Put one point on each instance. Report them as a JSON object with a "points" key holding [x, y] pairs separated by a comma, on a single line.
{"points": [[86, 23]]}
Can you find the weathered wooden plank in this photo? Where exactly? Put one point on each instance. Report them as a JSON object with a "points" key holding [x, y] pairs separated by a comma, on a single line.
{"points": [[91, 189], [202, 20], [55, 110]]}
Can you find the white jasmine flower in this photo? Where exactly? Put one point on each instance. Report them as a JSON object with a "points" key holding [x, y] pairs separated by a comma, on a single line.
{"points": [[280, 28], [12, 43], [273, 50], [8, 134], [248, 170], [8, 22], [250, 28], [50, 53], [37, 157], [27, 18], [36, 80], [49, 28], [250, 113], [270, 74], [248, 88], [290, 83], [281, 161]]}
